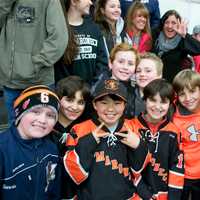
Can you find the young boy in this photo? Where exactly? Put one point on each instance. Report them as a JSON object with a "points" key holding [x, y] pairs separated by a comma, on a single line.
{"points": [[187, 117], [104, 150], [122, 62], [73, 93], [149, 68], [29, 162], [164, 176]]}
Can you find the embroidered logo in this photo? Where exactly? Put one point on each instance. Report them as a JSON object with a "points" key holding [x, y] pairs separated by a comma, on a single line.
{"points": [[111, 85], [100, 156], [194, 134]]}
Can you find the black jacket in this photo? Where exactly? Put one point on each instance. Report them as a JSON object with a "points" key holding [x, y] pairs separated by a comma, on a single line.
{"points": [[173, 59]]}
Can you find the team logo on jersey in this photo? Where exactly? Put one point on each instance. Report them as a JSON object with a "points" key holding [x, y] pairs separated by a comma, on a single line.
{"points": [[194, 134], [50, 173]]}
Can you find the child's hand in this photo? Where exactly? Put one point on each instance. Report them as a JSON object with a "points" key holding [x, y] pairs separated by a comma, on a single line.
{"points": [[96, 133], [131, 139]]}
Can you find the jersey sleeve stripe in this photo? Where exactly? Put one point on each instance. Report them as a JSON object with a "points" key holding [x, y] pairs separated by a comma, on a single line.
{"points": [[74, 168], [176, 180]]}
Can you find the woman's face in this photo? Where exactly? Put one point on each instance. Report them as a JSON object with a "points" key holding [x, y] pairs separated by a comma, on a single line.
{"points": [[83, 6], [139, 21], [169, 27], [112, 10]]}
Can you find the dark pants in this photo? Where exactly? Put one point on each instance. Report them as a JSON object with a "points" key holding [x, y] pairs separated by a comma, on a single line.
{"points": [[191, 188]]}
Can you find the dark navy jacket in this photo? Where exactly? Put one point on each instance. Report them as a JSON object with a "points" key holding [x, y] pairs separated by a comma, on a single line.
{"points": [[29, 169]]}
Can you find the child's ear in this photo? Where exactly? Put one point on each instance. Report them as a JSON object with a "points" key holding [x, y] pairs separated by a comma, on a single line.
{"points": [[110, 64], [94, 105]]}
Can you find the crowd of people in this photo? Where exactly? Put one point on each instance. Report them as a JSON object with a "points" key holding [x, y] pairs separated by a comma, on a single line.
{"points": [[103, 101]]}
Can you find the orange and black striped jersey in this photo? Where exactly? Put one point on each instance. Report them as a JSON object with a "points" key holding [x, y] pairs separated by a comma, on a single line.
{"points": [[103, 170], [190, 130], [163, 177]]}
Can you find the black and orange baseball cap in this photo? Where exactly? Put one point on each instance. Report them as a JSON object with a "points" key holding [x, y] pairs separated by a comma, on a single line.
{"points": [[109, 86], [34, 96]]}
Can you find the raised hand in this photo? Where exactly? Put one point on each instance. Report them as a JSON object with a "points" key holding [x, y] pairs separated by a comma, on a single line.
{"points": [[97, 134], [131, 139], [182, 27]]}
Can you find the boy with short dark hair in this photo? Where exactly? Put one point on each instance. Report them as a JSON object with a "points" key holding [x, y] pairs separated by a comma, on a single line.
{"points": [[187, 117], [163, 177], [29, 161], [105, 153]]}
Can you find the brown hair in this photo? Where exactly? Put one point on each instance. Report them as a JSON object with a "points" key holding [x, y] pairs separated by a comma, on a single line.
{"points": [[72, 47], [133, 9], [99, 17], [153, 57], [186, 79]]}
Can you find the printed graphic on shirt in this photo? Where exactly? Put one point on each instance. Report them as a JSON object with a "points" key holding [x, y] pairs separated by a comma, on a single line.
{"points": [[194, 133], [50, 173], [25, 14], [113, 163], [159, 170], [86, 45]]}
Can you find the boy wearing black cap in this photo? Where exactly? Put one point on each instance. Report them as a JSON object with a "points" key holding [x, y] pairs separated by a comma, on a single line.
{"points": [[29, 162], [104, 152]]}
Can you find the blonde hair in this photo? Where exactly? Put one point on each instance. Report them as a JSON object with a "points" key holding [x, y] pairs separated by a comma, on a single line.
{"points": [[133, 9], [186, 79], [154, 58], [123, 47]]}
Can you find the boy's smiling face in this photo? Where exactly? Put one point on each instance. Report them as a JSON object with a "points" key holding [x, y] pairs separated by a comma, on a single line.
{"points": [[156, 108], [190, 99], [123, 66], [146, 72], [108, 110], [37, 123]]}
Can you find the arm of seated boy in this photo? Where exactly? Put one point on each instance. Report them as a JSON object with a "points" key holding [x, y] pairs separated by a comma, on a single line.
{"points": [[80, 154], [143, 190], [90, 141], [138, 153], [176, 172]]}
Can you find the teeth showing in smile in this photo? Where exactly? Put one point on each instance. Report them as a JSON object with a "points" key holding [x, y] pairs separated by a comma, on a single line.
{"points": [[110, 115]]}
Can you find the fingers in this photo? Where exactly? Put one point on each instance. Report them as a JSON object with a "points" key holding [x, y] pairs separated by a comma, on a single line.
{"points": [[124, 135], [127, 126], [124, 141], [98, 128], [102, 134]]}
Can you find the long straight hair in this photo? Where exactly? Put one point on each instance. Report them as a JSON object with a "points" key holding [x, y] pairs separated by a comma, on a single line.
{"points": [[72, 47], [133, 9]]}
